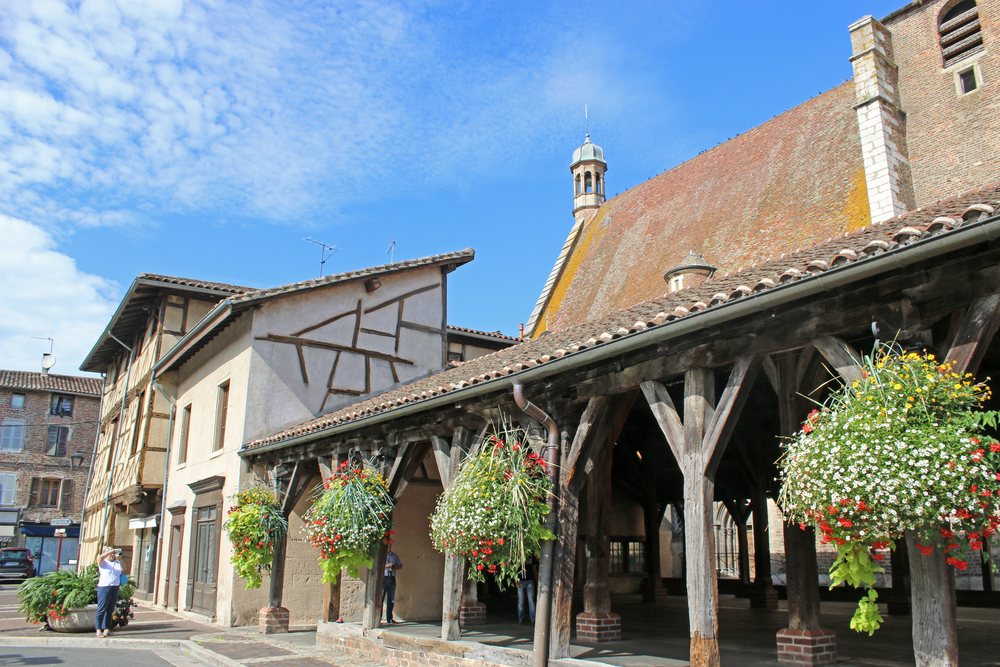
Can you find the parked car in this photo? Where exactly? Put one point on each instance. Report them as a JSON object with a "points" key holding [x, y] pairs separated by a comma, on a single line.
{"points": [[16, 563]]}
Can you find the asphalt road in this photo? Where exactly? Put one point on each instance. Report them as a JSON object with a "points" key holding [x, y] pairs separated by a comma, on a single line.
{"points": [[90, 657]]}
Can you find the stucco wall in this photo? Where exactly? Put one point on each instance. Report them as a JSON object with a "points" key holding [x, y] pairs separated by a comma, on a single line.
{"points": [[418, 584], [227, 357], [282, 396]]}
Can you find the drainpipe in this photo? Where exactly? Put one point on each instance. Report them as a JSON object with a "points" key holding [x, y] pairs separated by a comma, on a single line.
{"points": [[86, 491], [163, 494], [114, 443], [543, 608]]}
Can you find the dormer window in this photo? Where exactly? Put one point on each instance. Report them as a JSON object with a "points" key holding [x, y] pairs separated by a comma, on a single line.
{"points": [[961, 34]]}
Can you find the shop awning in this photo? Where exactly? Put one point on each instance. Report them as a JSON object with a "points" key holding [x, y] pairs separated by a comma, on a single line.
{"points": [[45, 530]]}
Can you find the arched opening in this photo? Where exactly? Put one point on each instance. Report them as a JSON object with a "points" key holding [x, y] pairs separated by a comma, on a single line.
{"points": [[588, 183], [960, 31], [577, 188], [600, 185]]}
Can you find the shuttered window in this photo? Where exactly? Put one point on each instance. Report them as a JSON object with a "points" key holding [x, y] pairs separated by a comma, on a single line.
{"points": [[961, 33], [182, 447], [11, 437], [8, 485], [50, 491], [223, 416], [55, 444]]}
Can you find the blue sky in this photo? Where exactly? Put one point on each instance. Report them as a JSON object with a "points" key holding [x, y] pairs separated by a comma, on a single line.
{"points": [[207, 138]]}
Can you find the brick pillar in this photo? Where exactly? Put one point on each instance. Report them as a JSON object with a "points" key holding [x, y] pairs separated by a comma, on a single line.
{"points": [[471, 613], [881, 123], [806, 647], [272, 620], [598, 627]]}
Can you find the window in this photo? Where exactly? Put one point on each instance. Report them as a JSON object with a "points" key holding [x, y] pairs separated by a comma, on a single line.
{"points": [[182, 447], [223, 415], [967, 81], [960, 32], [137, 427], [50, 493], [17, 401], [55, 444], [47, 492], [112, 434], [12, 437], [8, 485], [627, 556], [62, 406]]}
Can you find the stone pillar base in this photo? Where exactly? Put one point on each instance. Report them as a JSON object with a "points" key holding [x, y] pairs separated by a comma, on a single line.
{"points": [[271, 620], [598, 627], [807, 647], [471, 613], [763, 599]]}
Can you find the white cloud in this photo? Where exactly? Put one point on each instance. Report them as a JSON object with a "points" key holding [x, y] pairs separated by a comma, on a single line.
{"points": [[46, 295], [270, 110]]}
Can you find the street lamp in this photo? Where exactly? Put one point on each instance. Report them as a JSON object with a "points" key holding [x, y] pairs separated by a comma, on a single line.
{"points": [[76, 461]]}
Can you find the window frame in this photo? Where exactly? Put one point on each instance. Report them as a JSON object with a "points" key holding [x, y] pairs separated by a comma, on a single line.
{"points": [[54, 485], [6, 477], [221, 416], [184, 433], [65, 441], [137, 425], [13, 423], [56, 403], [17, 407]]}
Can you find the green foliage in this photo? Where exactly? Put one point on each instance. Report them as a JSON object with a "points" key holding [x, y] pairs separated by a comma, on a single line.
{"points": [[350, 517], [57, 593], [901, 448], [253, 524], [866, 618], [492, 511]]}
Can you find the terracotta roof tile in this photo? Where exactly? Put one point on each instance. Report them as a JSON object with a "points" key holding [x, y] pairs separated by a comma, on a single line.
{"points": [[198, 284], [790, 182], [30, 381], [491, 334], [851, 247]]}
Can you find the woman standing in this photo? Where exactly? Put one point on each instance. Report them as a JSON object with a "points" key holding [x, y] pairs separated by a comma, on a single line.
{"points": [[109, 577]]}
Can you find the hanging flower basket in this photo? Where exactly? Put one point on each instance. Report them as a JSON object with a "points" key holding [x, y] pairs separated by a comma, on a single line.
{"points": [[492, 511], [902, 448], [349, 519], [254, 524]]}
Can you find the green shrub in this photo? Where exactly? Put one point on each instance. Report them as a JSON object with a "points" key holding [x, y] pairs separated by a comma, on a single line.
{"points": [[57, 593]]}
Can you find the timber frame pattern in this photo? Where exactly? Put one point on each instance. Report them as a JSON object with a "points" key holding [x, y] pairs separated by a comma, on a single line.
{"points": [[944, 301]]}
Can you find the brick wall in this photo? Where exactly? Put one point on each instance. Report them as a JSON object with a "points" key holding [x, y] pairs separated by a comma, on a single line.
{"points": [[951, 139], [32, 461]]}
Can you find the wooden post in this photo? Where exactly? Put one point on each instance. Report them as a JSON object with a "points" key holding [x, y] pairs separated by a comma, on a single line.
{"points": [[274, 617], [331, 590], [372, 614], [448, 456], [698, 443], [565, 570], [652, 514], [764, 596], [803, 641], [596, 594], [935, 631]]}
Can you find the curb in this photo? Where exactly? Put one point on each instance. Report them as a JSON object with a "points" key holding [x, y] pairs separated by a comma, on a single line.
{"points": [[202, 653]]}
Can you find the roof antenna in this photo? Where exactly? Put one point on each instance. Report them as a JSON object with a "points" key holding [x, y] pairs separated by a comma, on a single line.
{"points": [[392, 247], [323, 250], [48, 360]]}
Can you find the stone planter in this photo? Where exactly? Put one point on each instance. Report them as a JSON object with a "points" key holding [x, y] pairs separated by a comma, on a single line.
{"points": [[77, 620]]}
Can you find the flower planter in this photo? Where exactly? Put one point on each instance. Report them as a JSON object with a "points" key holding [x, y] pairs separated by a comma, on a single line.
{"points": [[77, 620]]}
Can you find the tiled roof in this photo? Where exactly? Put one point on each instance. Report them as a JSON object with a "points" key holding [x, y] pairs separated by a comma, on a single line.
{"points": [[787, 183], [227, 310], [459, 257], [199, 284], [37, 382], [490, 334], [833, 253]]}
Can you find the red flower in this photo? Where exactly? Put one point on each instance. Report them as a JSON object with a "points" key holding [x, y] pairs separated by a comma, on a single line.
{"points": [[959, 564], [925, 550], [995, 447]]}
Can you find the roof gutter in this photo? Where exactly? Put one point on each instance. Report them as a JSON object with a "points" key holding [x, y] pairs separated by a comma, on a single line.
{"points": [[215, 317], [982, 231]]}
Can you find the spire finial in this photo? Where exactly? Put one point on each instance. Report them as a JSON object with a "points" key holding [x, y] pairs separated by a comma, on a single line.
{"points": [[586, 121]]}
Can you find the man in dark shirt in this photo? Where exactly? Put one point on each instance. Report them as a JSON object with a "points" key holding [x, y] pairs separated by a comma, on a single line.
{"points": [[526, 591], [392, 563]]}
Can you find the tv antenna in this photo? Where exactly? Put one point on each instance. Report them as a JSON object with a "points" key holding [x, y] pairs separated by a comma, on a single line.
{"points": [[325, 252], [390, 251], [51, 341]]}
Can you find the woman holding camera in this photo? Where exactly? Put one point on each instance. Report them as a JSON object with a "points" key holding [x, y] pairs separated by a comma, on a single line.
{"points": [[109, 570]]}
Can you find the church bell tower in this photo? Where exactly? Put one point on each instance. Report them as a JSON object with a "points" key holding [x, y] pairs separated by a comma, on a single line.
{"points": [[588, 169]]}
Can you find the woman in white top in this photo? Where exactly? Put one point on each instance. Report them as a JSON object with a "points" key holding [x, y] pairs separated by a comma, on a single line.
{"points": [[109, 571]]}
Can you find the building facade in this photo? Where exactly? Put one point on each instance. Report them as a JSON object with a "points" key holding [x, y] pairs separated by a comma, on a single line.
{"points": [[49, 426]]}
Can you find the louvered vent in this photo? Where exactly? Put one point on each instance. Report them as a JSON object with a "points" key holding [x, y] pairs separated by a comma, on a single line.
{"points": [[961, 35]]}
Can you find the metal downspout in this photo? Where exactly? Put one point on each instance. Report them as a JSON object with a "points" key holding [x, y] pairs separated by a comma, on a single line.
{"points": [[163, 494], [114, 443], [543, 608], [86, 489]]}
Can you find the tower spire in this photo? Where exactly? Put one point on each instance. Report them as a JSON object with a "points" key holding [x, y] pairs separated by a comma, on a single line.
{"points": [[588, 169]]}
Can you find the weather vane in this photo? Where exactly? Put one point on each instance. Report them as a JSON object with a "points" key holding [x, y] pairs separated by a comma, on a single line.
{"points": [[325, 252]]}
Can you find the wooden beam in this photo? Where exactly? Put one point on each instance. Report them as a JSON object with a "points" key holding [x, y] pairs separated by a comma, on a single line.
{"points": [[454, 585], [586, 439], [442, 456], [417, 454], [841, 356], [974, 335], [727, 412], [666, 415]]}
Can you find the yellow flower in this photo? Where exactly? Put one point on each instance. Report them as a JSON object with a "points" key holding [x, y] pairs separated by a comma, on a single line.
{"points": [[898, 386]]}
